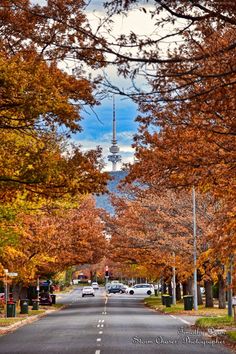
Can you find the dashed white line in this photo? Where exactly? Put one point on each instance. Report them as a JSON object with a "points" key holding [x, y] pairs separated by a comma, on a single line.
{"points": [[98, 325], [99, 339], [102, 325], [100, 332], [97, 351]]}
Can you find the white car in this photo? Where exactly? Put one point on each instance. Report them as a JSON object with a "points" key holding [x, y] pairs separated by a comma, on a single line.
{"points": [[141, 289], [95, 285], [88, 291]]}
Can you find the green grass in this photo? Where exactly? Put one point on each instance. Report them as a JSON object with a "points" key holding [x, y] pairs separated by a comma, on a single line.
{"points": [[232, 335], [156, 303], [216, 322], [4, 322]]}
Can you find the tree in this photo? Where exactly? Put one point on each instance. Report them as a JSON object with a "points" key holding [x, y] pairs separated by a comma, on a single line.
{"points": [[52, 241]]}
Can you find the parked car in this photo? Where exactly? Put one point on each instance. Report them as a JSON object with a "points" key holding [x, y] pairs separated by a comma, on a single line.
{"points": [[114, 288], [45, 299], [88, 291], [141, 289], [95, 285]]}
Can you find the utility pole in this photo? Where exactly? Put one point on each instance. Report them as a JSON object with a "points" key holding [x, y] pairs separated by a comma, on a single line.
{"points": [[173, 281], [195, 303], [229, 284]]}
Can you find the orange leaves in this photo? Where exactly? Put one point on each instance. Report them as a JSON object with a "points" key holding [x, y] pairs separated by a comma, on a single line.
{"points": [[51, 242]]}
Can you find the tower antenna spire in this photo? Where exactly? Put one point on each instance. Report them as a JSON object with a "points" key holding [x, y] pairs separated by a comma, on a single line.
{"points": [[114, 149]]}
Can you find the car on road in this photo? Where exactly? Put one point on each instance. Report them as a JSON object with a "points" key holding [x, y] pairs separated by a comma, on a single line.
{"points": [[114, 288], [95, 285], [141, 289], [88, 291], [123, 288]]}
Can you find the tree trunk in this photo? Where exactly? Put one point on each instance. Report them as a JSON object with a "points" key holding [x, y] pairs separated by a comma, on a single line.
{"points": [[190, 286], [184, 288], [178, 292], [199, 295], [209, 294], [164, 288], [222, 297], [169, 289]]}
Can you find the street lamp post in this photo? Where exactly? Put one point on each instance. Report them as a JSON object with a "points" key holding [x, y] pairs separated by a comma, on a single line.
{"points": [[195, 302]]}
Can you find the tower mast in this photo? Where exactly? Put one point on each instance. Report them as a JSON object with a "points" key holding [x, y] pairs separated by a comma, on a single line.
{"points": [[114, 149]]}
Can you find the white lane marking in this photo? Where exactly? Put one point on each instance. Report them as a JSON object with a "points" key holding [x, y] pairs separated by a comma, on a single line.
{"points": [[100, 332], [97, 351], [181, 319], [188, 323], [99, 320], [99, 339], [102, 320], [98, 325], [102, 325]]}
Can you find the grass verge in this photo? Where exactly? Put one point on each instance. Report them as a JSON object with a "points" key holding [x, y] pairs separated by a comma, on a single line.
{"points": [[155, 303], [215, 322], [231, 335]]}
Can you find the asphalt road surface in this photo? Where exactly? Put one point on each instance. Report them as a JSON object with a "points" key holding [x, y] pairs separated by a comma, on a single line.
{"points": [[108, 325]]}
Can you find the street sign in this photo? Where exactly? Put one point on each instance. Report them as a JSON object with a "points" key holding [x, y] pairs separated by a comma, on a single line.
{"points": [[12, 274]]}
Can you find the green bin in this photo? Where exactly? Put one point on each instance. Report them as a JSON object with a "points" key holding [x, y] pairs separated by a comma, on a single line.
{"points": [[188, 302], [11, 309], [163, 298], [168, 301], [35, 304], [24, 306], [53, 299]]}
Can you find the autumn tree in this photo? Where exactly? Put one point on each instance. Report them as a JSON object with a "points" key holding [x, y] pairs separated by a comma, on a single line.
{"points": [[53, 241]]}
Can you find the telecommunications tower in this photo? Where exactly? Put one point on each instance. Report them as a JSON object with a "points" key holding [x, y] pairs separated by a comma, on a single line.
{"points": [[114, 149]]}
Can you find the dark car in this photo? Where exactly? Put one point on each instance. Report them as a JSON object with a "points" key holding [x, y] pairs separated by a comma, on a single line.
{"points": [[116, 288], [45, 299]]}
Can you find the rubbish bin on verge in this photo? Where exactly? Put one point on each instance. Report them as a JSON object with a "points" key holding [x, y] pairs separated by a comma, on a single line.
{"points": [[24, 306], [53, 299], [11, 309], [168, 301], [35, 303], [163, 298], [188, 302]]}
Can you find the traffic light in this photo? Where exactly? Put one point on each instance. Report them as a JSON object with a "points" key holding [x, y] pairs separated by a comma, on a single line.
{"points": [[106, 272]]}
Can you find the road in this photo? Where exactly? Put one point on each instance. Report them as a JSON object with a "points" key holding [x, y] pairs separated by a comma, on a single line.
{"points": [[108, 325]]}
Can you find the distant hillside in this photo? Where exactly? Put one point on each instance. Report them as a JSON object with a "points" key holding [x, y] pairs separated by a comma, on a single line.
{"points": [[103, 200]]}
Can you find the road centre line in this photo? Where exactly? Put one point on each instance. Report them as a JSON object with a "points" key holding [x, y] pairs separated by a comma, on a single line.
{"points": [[99, 339], [100, 332], [98, 352]]}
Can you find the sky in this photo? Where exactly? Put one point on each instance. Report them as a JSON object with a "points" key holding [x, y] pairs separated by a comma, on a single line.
{"points": [[98, 130], [97, 127]]}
